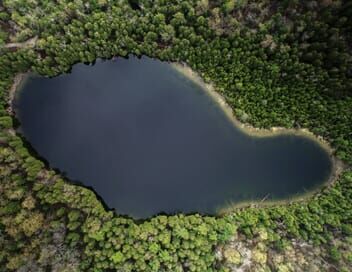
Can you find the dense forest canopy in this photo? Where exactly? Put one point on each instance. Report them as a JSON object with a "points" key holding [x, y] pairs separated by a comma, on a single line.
{"points": [[277, 63]]}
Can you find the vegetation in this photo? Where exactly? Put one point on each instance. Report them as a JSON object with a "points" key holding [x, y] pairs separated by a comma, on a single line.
{"points": [[277, 63]]}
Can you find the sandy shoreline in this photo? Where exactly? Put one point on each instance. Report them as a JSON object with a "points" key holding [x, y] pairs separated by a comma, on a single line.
{"points": [[18, 82], [337, 165], [247, 128], [337, 169]]}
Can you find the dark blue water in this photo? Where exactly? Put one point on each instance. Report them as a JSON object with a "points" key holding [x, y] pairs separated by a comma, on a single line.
{"points": [[148, 140]]}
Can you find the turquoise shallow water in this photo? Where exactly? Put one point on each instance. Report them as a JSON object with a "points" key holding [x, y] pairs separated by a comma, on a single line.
{"points": [[148, 140]]}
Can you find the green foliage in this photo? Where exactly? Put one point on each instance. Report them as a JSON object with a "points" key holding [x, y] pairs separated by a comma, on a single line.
{"points": [[335, 254], [229, 5], [286, 66], [117, 257], [6, 122]]}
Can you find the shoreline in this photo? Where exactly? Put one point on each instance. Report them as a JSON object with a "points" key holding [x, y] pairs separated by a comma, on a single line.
{"points": [[337, 166], [18, 82], [246, 128], [337, 169]]}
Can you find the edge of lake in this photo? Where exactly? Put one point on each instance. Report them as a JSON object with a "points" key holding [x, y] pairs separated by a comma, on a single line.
{"points": [[18, 82], [337, 165]]}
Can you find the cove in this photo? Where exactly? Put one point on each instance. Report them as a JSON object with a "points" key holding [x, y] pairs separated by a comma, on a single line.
{"points": [[148, 140]]}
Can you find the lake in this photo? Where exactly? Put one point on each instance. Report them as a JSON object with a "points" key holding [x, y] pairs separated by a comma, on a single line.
{"points": [[148, 140]]}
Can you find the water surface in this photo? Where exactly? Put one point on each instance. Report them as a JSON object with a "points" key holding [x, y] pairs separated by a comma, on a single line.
{"points": [[148, 140]]}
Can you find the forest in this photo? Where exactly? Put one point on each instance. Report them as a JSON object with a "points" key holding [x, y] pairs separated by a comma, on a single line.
{"points": [[277, 64]]}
